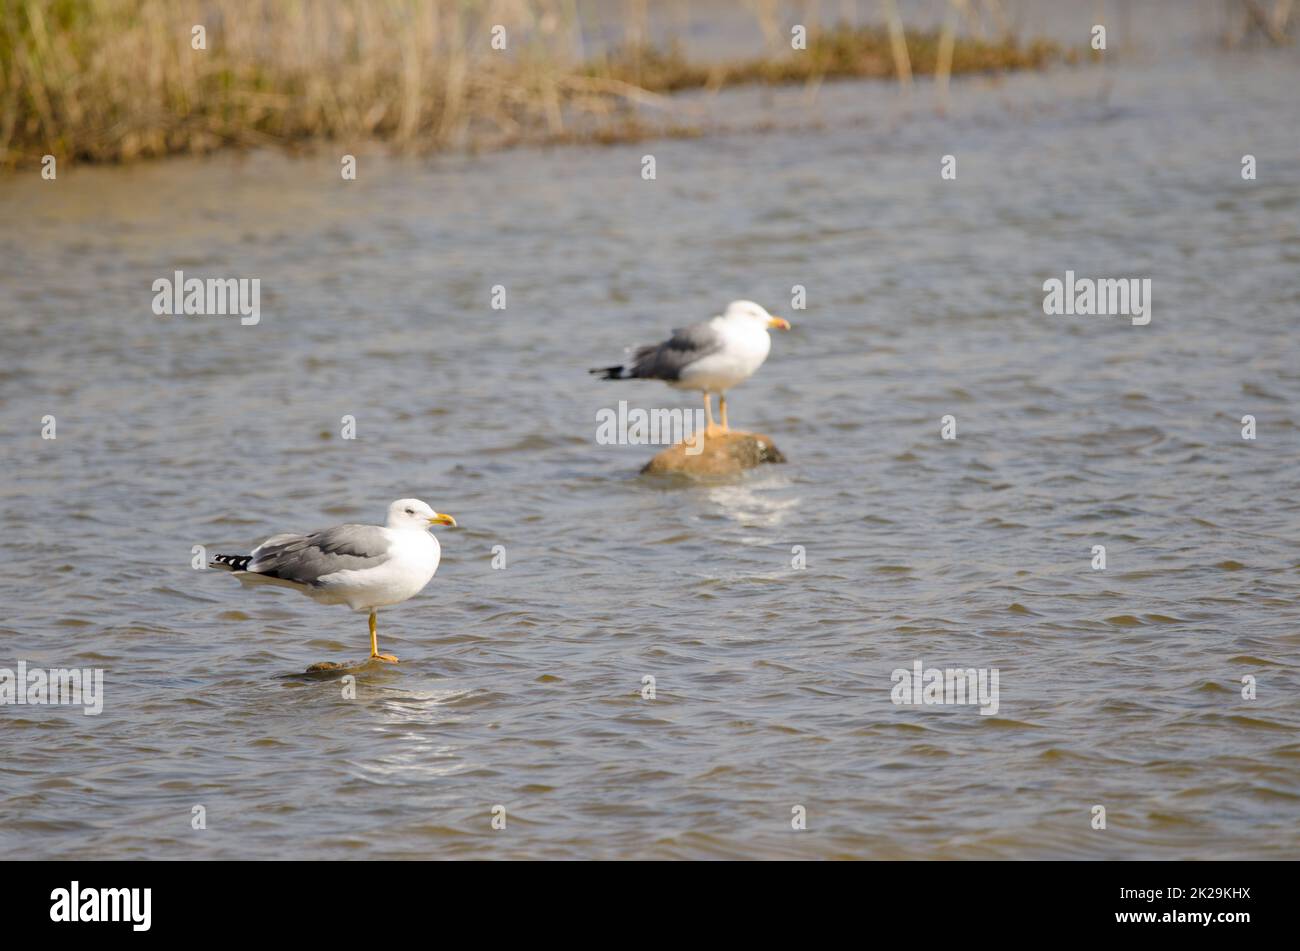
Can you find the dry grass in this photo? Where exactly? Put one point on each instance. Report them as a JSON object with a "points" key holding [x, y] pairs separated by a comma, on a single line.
{"points": [[117, 80], [839, 53]]}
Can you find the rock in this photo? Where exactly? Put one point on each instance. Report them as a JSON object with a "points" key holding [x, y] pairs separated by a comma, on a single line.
{"points": [[326, 666], [722, 455]]}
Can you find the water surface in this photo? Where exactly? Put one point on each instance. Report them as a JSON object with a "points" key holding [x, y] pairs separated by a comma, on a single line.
{"points": [[522, 686]]}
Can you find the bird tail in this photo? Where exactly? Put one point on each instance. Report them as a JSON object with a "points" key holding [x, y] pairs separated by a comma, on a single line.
{"points": [[230, 562], [238, 565], [618, 372]]}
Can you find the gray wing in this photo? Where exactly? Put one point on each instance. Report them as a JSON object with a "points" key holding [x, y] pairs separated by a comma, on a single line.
{"points": [[305, 559], [665, 361]]}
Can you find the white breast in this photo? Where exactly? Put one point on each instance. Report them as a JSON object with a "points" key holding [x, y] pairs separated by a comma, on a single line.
{"points": [[413, 559], [746, 345]]}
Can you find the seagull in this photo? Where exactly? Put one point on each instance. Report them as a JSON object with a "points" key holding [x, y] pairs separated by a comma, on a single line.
{"points": [[711, 356], [365, 567]]}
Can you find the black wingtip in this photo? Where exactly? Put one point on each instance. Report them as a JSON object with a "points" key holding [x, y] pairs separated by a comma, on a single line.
{"points": [[230, 562], [611, 373]]}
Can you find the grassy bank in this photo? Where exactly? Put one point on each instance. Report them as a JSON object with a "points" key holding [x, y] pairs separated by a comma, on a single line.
{"points": [[118, 80], [841, 52]]}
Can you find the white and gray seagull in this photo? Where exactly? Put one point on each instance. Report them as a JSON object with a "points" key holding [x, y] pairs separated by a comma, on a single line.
{"points": [[711, 356], [366, 567]]}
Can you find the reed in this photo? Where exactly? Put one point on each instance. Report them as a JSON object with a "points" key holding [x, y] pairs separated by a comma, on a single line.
{"points": [[118, 80]]}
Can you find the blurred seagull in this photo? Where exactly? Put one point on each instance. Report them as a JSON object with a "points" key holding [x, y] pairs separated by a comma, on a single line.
{"points": [[365, 567], [711, 356]]}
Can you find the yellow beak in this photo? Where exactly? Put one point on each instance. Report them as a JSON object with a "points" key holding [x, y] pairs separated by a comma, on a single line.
{"points": [[440, 518], [779, 323]]}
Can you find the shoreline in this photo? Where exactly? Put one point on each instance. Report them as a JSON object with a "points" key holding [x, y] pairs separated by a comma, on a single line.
{"points": [[301, 84]]}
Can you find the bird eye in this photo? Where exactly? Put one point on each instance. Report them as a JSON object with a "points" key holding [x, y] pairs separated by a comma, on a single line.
{"points": [[410, 511]]}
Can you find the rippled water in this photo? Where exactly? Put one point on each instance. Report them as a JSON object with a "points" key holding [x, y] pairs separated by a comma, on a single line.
{"points": [[521, 686]]}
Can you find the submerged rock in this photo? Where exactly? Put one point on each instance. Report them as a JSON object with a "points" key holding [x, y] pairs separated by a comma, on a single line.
{"points": [[326, 666], [724, 454]]}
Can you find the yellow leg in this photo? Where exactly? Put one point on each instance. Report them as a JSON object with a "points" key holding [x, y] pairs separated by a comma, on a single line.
{"points": [[374, 644], [722, 408], [710, 429]]}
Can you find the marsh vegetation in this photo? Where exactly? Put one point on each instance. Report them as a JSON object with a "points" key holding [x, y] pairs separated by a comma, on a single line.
{"points": [[119, 80]]}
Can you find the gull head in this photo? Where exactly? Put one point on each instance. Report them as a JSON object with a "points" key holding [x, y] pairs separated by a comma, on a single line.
{"points": [[412, 513], [749, 312]]}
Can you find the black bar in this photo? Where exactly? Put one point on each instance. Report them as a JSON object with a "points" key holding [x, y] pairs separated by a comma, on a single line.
{"points": [[944, 901]]}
